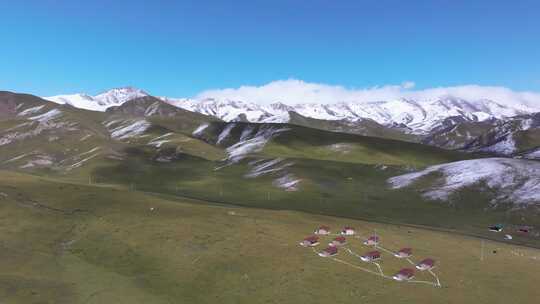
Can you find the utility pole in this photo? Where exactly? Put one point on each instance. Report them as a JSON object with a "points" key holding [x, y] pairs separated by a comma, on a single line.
{"points": [[482, 251]]}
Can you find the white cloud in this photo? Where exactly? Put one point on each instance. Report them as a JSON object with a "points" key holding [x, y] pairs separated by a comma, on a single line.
{"points": [[293, 91]]}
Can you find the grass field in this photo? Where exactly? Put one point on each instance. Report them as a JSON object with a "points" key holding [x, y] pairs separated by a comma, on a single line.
{"points": [[72, 243]]}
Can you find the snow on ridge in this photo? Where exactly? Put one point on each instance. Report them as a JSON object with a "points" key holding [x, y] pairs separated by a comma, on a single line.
{"points": [[152, 109], [225, 133], [247, 132], [40, 160], [159, 141], [514, 180], [266, 167], [40, 123], [200, 129], [47, 116], [533, 155], [31, 111], [16, 158], [81, 162], [288, 182], [130, 129], [506, 146], [254, 144]]}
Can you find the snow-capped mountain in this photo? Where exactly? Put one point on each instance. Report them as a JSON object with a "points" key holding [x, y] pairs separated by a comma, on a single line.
{"points": [[101, 102], [511, 137], [415, 116], [514, 181], [419, 116]]}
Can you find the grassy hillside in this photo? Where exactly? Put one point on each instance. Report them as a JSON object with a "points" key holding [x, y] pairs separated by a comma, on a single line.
{"points": [[325, 187], [302, 142], [72, 243], [366, 127], [151, 146]]}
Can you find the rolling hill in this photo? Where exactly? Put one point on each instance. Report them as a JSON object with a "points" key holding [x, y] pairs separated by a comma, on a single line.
{"points": [[149, 145]]}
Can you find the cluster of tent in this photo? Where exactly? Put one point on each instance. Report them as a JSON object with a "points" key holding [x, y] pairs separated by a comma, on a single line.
{"points": [[371, 256]]}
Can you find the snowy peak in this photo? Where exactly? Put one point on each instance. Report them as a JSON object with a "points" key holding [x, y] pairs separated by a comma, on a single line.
{"points": [[118, 96], [419, 116], [101, 102]]}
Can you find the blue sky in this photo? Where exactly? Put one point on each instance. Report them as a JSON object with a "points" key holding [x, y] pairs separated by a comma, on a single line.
{"points": [[180, 48]]}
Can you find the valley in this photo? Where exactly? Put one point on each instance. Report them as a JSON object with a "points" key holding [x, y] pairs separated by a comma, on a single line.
{"points": [[147, 202]]}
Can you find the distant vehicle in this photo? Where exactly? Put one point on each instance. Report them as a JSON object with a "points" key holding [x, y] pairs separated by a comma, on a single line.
{"points": [[496, 228], [507, 237]]}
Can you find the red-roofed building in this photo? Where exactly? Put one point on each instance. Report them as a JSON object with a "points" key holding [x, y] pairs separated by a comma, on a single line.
{"points": [[348, 231], [403, 253], [310, 241], [323, 230], [329, 251], [371, 256], [426, 264], [404, 274], [338, 241], [524, 230], [372, 240]]}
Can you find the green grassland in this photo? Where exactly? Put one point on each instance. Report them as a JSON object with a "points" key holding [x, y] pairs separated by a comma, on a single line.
{"points": [[302, 142], [73, 243], [81, 230], [327, 187], [366, 127]]}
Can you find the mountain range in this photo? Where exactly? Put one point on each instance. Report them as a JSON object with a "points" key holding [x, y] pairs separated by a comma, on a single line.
{"points": [[449, 122], [344, 167]]}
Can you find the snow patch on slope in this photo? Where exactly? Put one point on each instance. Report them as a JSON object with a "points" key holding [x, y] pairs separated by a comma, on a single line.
{"points": [[45, 117], [516, 181], [267, 166], [253, 143], [225, 133], [199, 130], [129, 128], [506, 146], [31, 111], [287, 182]]}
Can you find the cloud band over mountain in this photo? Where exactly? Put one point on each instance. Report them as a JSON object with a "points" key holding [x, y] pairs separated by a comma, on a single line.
{"points": [[294, 91]]}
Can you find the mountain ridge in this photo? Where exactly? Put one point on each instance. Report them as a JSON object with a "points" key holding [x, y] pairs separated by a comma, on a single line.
{"points": [[410, 115]]}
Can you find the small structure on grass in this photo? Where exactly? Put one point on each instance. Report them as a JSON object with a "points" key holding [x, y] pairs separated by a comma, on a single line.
{"points": [[523, 230], [371, 256], [496, 228], [404, 274], [338, 241], [329, 251], [372, 241], [348, 231], [403, 253], [426, 264], [323, 230], [310, 241]]}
